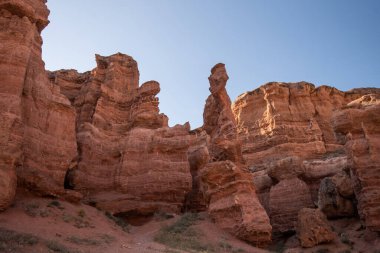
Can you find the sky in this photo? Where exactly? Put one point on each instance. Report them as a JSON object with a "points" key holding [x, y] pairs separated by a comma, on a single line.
{"points": [[177, 42]]}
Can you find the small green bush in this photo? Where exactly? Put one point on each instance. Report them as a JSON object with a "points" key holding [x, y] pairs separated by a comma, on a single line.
{"points": [[181, 236]]}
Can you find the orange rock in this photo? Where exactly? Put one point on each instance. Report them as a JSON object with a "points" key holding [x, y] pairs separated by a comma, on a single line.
{"points": [[33, 138], [358, 126], [280, 120], [233, 203], [330, 200], [286, 199], [287, 131], [313, 228], [129, 159]]}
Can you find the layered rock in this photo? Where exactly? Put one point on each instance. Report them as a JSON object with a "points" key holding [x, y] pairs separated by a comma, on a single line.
{"points": [[130, 161], [357, 126], [33, 139], [233, 204], [279, 120], [287, 134], [335, 196], [313, 228], [198, 155], [286, 199]]}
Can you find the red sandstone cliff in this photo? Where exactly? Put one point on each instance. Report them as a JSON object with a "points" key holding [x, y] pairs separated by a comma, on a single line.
{"points": [[34, 142], [228, 185], [129, 160], [292, 138], [358, 124], [99, 136]]}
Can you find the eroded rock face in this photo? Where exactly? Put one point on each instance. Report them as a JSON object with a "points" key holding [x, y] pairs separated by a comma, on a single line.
{"points": [[358, 127], [233, 204], [330, 200], [313, 228], [129, 159], [280, 120], [33, 139], [286, 199], [287, 133]]}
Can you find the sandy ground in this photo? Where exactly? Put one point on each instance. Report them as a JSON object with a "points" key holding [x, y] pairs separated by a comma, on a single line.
{"points": [[60, 223], [79, 228]]}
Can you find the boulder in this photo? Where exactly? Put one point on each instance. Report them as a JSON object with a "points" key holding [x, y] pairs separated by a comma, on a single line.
{"points": [[313, 228]]}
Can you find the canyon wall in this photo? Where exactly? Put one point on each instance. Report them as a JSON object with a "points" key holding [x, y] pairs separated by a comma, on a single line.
{"points": [[129, 160], [94, 135], [34, 142], [294, 137], [358, 125], [99, 137]]}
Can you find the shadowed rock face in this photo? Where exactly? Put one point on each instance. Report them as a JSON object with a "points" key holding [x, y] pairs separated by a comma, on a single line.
{"points": [[313, 228], [233, 204], [358, 124], [33, 139]]}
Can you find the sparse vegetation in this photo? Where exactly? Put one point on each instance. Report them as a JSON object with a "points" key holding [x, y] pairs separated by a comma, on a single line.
{"points": [[79, 222], [346, 240], [181, 236], [323, 250], [81, 213], [55, 203], [83, 241], [171, 251], [11, 240], [57, 247], [44, 213], [31, 209], [225, 246], [119, 221], [160, 216], [238, 251], [107, 238]]}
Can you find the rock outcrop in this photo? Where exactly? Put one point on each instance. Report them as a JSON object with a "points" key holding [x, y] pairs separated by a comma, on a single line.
{"points": [[96, 133], [233, 204], [313, 228], [357, 126], [129, 160], [286, 199], [280, 120], [287, 133], [335, 196], [33, 139]]}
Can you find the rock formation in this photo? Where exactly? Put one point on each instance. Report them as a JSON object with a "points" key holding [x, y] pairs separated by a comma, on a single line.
{"points": [[286, 199], [287, 133], [233, 204], [335, 196], [313, 228], [97, 133], [99, 137], [33, 139], [357, 126], [129, 160]]}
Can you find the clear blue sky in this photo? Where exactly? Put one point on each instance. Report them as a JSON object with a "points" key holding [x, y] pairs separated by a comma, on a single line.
{"points": [[176, 42]]}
